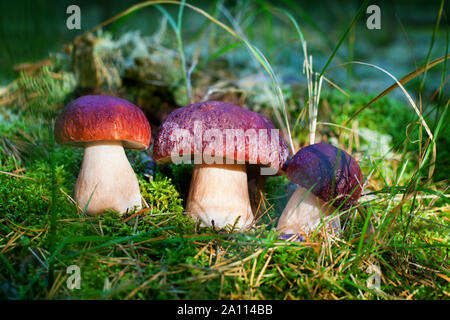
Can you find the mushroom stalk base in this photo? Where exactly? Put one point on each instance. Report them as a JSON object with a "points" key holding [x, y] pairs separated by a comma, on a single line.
{"points": [[107, 176], [303, 214], [219, 194]]}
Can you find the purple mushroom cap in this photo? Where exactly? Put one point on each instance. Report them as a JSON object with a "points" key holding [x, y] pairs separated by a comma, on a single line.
{"points": [[330, 173], [218, 118]]}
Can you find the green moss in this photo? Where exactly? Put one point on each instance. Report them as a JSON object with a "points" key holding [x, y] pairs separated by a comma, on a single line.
{"points": [[26, 199], [161, 195]]}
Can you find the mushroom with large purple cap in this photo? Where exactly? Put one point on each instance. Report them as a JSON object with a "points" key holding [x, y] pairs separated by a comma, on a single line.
{"points": [[328, 179], [104, 126], [221, 138]]}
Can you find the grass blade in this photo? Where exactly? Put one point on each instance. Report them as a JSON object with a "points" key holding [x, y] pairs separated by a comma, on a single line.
{"points": [[403, 81], [358, 14]]}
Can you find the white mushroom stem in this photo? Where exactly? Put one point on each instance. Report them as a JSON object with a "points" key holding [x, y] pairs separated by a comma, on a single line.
{"points": [[304, 212], [107, 176], [219, 193]]}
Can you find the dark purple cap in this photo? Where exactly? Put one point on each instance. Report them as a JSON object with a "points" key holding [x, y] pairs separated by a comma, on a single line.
{"points": [[331, 173], [218, 117]]}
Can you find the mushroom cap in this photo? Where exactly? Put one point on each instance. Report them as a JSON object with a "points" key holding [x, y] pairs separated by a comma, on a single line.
{"points": [[331, 173], [220, 116], [103, 118]]}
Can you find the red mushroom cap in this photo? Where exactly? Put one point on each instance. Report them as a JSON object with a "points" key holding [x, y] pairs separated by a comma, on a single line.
{"points": [[103, 118], [221, 116], [331, 173]]}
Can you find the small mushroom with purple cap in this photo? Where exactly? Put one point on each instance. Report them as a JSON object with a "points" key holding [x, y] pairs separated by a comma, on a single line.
{"points": [[104, 126], [328, 179], [222, 138]]}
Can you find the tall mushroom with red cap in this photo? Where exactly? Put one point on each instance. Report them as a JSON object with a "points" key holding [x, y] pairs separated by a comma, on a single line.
{"points": [[104, 126], [328, 179], [222, 138]]}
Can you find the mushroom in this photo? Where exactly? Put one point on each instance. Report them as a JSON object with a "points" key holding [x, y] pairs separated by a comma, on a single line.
{"points": [[222, 138], [328, 179], [104, 126]]}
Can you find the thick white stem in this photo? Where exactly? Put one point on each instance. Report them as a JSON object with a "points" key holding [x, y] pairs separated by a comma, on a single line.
{"points": [[303, 214], [219, 193], [107, 176]]}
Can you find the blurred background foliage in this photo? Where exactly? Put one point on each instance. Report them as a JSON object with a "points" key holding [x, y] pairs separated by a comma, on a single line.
{"points": [[30, 30]]}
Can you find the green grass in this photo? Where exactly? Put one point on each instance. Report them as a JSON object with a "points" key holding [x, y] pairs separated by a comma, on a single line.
{"points": [[400, 227]]}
